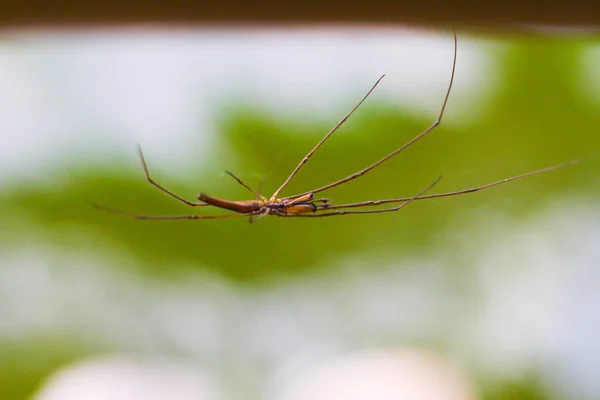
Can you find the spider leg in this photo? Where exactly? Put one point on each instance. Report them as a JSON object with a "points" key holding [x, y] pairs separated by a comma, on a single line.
{"points": [[259, 216], [325, 206], [163, 189], [163, 218], [331, 132], [256, 193], [403, 147], [347, 212], [261, 184]]}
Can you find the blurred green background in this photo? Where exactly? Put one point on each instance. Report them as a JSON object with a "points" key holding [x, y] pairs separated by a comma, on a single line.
{"points": [[542, 110]]}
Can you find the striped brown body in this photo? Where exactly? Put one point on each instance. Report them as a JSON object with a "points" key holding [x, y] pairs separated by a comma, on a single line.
{"points": [[299, 205]]}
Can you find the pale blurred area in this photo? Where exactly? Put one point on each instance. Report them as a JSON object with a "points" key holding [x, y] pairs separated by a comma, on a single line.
{"points": [[383, 374], [127, 379], [491, 300]]}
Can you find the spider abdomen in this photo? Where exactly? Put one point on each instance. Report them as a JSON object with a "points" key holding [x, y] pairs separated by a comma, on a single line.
{"points": [[247, 206]]}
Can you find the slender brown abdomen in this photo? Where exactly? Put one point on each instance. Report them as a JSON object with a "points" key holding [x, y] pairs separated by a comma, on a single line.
{"points": [[242, 207]]}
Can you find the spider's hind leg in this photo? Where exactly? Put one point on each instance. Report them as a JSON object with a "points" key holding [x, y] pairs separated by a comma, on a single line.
{"points": [[162, 188]]}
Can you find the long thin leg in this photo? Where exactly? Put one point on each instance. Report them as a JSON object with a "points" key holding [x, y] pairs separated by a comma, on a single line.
{"points": [[458, 192], [395, 152], [167, 218], [393, 209], [253, 218], [335, 128], [261, 184], [256, 193], [258, 190], [164, 190]]}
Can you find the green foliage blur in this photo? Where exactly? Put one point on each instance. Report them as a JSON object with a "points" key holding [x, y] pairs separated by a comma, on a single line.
{"points": [[538, 118]]}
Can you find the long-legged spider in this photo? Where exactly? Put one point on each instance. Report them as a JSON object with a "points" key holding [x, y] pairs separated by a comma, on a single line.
{"points": [[304, 204]]}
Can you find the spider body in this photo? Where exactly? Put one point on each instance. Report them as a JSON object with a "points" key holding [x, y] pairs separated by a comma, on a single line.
{"points": [[302, 204]]}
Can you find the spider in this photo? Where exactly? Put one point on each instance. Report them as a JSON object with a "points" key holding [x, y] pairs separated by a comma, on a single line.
{"points": [[304, 204]]}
